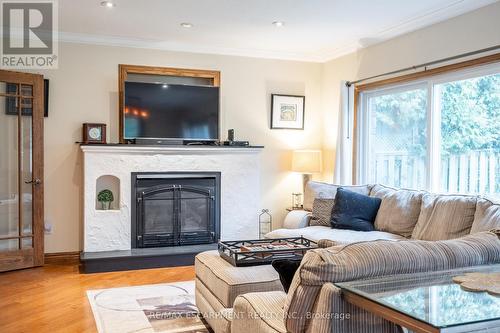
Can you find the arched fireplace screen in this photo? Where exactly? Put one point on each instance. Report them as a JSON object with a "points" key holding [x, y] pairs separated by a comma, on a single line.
{"points": [[174, 209]]}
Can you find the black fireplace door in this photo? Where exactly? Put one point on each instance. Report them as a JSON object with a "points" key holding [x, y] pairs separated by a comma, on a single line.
{"points": [[196, 215], [176, 215]]}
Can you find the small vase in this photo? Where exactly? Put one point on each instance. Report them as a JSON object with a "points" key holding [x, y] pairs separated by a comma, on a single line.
{"points": [[105, 205]]}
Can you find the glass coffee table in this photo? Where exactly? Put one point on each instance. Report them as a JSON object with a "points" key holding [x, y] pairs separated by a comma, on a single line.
{"points": [[428, 302]]}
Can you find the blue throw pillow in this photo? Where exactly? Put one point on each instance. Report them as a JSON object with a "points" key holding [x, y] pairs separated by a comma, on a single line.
{"points": [[354, 211]]}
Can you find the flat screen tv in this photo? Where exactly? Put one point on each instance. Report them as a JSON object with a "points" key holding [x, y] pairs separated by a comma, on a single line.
{"points": [[159, 112]]}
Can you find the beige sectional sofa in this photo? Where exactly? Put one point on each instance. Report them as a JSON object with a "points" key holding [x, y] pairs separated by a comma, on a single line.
{"points": [[403, 214], [416, 231]]}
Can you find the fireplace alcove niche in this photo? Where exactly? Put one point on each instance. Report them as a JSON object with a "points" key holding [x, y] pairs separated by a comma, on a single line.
{"points": [[112, 183]]}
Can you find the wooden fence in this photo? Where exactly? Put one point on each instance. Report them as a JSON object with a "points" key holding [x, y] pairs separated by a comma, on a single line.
{"points": [[474, 172]]}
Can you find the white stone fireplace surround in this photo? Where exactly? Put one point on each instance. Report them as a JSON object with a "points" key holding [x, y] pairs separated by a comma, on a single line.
{"points": [[109, 230]]}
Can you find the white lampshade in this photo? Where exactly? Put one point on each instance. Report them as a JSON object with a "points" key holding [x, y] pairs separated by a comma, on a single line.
{"points": [[306, 161]]}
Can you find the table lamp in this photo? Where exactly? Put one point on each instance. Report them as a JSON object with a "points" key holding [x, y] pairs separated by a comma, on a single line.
{"points": [[306, 162]]}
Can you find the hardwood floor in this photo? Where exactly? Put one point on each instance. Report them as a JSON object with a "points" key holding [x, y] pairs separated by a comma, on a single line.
{"points": [[53, 299]]}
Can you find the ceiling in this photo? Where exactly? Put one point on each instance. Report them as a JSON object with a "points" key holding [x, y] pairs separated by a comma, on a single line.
{"points": [[314, 30]]}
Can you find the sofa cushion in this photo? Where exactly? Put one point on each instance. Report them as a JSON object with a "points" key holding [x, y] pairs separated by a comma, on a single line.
{"points": [[338, 235], [487, 216], [378, 258], [398, 211], [354, 211], [226, 282], [212, 309], [259, 313], [444, 217], [342, 316], [327, 191], [322, 212]]}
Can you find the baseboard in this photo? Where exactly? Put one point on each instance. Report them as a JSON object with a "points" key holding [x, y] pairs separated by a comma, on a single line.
{"points": [[62, 258]]}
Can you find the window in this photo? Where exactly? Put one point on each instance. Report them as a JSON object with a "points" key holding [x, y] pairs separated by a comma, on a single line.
{"points": [[397, 137], [470, 134], [440, 134]]}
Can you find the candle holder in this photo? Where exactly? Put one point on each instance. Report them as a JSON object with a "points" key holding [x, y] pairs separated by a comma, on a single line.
{"points": [[265, 223], [296, 200]]}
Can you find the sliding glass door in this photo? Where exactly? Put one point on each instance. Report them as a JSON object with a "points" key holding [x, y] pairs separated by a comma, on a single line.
{"points": [[440, 134]]}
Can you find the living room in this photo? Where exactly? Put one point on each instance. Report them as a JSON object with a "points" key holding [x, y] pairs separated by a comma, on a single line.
{"points": [[117, 216]]}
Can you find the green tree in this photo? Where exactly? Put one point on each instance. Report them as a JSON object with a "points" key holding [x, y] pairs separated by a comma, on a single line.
{"points": [[470, 116], [401, 120]]}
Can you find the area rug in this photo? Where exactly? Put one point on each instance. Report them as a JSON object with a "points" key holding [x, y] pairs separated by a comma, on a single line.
{"points": [[163, 308]]}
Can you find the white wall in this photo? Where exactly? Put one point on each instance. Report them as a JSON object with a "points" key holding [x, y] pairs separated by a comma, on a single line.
{"points": [[472, 31], [85, 89]]}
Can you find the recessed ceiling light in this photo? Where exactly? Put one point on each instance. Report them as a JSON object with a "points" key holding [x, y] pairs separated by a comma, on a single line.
{"points": [[186, 25], [278, 24], [108, 4]]}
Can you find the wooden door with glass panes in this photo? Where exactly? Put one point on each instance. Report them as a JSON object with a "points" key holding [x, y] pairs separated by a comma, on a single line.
{"points": [[21, 170]]}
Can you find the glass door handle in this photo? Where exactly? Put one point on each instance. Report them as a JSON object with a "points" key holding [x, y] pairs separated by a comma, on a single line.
{"points": [[35, 181]]}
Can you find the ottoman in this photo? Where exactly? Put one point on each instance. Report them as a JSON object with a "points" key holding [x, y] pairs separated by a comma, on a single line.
{"points": [[218, 283]]}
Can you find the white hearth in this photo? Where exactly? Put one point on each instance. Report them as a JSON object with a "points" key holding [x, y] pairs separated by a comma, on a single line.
{"points": [[110, 166]]}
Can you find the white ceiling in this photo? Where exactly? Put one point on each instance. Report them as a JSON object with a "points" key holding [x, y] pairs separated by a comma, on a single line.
{"points": [[315, 30]]}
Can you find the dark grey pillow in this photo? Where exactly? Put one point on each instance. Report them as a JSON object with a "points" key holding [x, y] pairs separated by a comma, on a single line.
{"points": [[354, 211]]}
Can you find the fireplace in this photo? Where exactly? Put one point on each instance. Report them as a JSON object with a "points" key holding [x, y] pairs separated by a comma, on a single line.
{"points": [[175, 208]]}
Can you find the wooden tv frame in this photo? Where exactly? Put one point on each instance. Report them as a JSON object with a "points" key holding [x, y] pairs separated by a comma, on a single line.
{"points": [[125, 70]]}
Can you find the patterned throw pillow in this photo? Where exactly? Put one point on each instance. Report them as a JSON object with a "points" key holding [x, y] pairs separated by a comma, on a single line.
{"points": [[322, 212]]}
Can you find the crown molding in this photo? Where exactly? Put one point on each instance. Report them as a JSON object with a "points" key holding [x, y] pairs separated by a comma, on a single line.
{"points": [[421, 21], [69, 37], [407, 25]]}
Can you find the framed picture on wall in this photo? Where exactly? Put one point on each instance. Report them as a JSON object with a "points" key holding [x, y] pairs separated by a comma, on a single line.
{"points": [[287, 112]]}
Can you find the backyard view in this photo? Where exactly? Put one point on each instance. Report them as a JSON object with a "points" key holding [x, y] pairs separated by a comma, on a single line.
{"points": [[398, 138], [469, 136]]}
